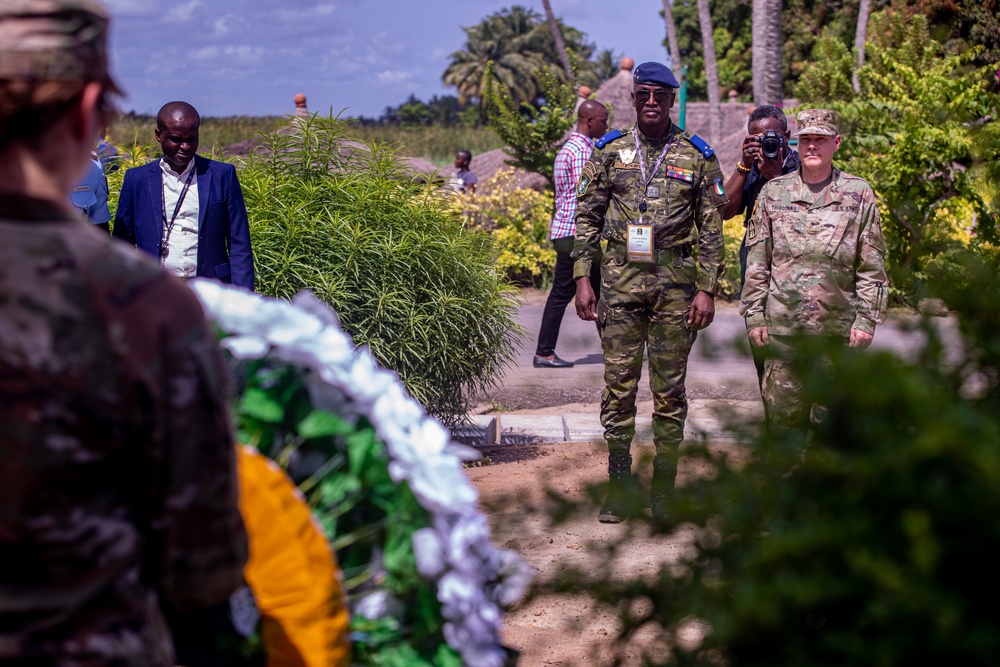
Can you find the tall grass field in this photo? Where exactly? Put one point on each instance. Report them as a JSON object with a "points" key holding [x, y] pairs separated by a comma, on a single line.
{"points": [[437, 144]]}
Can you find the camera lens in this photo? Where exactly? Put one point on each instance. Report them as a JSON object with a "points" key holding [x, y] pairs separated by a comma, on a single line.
{"points": [[770, 145]]}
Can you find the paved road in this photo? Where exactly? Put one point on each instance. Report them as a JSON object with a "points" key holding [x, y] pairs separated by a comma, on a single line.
{"points": [[720, 364]]}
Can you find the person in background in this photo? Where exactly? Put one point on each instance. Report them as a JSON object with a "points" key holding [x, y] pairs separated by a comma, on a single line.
{"points": [[118, 489], [185, 210], [91, 197], [591, 124], [755, 168], [464, 180], [815, 266], [655, 193]]}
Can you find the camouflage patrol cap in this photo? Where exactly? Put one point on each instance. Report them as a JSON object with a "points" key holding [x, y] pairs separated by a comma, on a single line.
{"points": [[54, 40], [818, 121]]}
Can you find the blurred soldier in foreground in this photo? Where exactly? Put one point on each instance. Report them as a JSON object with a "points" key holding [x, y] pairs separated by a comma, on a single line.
{"points": [[118, 487], [591, 124], [815, 264], [654, 192], [766, 155]]}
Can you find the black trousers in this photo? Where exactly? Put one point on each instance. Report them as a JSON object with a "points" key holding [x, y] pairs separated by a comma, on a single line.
{"points": [[563, 291]]}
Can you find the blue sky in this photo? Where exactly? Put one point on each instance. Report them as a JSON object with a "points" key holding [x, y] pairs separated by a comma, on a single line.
{"points": [[249, 57]]}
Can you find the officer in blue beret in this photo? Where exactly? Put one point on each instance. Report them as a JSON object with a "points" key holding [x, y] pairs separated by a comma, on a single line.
{"points": [[654, 193]]}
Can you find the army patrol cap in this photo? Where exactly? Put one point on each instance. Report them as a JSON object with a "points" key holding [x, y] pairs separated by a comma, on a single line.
{"points": [[818, 121], [655, 74], [54, 40]]}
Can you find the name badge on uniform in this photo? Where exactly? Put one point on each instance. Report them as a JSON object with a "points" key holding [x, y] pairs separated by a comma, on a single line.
{"points": [[640, 243], [653, 191]]}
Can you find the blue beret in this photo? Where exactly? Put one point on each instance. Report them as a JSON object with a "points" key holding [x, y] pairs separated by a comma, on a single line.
{"points": [[655, 73]]}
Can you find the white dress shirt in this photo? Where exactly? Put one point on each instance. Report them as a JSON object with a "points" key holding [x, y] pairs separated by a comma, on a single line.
{"points": [[182, 258]]}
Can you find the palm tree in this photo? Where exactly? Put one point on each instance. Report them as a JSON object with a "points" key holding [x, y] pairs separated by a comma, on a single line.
{"points": [[520, 43], [773, 74], [711, 72], [674, 48], [860, 37], [511, 39], [557, 38], [766, 47]]}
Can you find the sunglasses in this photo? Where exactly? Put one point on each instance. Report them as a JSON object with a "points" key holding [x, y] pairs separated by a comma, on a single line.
{"points": [[660, 95]]}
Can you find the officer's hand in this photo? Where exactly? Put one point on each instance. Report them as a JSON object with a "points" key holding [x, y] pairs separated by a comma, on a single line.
{"points": [[758, 336], [751, 149], [702, 311], [586, 300], [860, 339]]}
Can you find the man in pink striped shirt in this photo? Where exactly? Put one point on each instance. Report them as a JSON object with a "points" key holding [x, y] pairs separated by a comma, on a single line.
{"points": [[591, 124]]}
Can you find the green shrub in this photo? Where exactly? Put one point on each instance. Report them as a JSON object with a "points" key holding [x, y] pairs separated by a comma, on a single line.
{"points": [[405, 275], [870, 545], [518, 221]]}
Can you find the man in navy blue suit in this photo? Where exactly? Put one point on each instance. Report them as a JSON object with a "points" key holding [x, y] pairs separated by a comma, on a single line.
{"points": [[184, 209]]}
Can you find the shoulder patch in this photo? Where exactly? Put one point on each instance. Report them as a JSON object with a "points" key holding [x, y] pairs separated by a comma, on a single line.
{"points": [[608, 138], [701, 145]]}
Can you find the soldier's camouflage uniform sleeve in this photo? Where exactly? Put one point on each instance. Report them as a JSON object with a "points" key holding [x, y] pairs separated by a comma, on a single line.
{"points": [[871, 281], [592, 191], [708, 221], [753, 302]]}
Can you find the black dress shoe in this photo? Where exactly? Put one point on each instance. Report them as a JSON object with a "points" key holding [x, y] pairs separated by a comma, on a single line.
{"points": [[555, 362]]}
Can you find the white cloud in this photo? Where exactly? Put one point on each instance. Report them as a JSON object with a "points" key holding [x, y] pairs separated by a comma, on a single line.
{"points": [[184, 11], [394, 76], [221, 25], [242, 54]]}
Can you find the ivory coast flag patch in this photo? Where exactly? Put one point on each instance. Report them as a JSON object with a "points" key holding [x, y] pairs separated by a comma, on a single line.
{"points": [[719, 190]]}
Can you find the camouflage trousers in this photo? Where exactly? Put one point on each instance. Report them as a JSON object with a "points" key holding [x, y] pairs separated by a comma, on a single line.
{"points": [[781, 389], [645, 307]]}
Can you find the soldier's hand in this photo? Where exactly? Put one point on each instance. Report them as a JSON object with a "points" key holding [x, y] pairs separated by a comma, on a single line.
{"points": [[702, 311], [758, 336], [586, 300], [860, 339]]}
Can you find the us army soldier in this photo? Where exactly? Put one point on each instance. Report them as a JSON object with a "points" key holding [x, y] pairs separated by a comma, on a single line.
{"points": [[815, 264], [118, 490], [653, 192]]}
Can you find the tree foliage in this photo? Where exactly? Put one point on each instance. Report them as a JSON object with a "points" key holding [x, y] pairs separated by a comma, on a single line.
{"points": [[520, 44], [405, 275], [533, 135]]}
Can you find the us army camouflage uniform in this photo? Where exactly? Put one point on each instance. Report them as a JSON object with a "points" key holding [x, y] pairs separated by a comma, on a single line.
{"points": [[118, 488], [815, 265], [646, 304]]}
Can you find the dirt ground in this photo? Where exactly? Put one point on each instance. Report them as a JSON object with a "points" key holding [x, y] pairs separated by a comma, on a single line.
{"points": [[569, 629]]}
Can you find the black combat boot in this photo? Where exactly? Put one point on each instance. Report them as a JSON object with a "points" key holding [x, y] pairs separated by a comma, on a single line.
{"points": [[662, 487], [615, 508]]}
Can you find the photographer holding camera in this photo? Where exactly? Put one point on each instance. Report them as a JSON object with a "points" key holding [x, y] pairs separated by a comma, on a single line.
{"points": [[766, 155]]}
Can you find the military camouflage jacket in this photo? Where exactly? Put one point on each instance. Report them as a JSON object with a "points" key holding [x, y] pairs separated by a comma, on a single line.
{"points": [[117, 484], [816, 263], [684, 201]]}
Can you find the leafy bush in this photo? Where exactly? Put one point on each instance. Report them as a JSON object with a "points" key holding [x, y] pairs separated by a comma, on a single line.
{"points": [[405, 275], [518, 221], [867, 546]]}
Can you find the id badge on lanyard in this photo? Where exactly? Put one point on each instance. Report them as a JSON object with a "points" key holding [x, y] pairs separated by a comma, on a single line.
{"points": [[640, 245]]}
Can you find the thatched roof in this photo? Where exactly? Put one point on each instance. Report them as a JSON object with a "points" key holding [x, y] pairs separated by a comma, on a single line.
{"points": [[484, 166], [616, 92]]}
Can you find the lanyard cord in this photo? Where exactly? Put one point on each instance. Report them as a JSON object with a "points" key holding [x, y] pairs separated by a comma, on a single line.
{"points": [[646, 180], [169, 226]]}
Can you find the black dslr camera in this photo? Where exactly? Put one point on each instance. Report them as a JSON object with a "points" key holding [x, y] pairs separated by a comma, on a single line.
{"points": [[771, 144]]}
